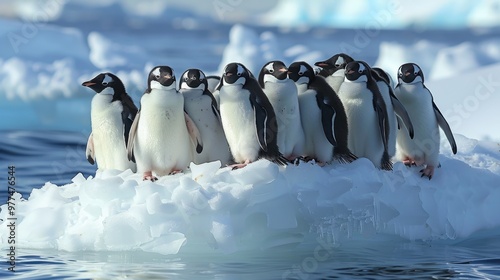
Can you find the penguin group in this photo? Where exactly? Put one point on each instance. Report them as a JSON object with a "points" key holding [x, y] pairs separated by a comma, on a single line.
{"points": [[340, 111]]}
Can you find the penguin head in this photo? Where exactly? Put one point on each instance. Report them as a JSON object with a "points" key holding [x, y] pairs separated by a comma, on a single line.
{"points": [[236, 73], [380, 75], [105, 83], [273, 72], [194, 79], [301, 72], [410, 73], [161, 77], [335, 65], [357, 71]]}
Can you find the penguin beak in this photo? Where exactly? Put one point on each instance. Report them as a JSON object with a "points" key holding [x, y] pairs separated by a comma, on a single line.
{"points": [[228, 74], [282, 73], [350, 72], [321, 64], [407, 74], [88, 84], [168, 76]]}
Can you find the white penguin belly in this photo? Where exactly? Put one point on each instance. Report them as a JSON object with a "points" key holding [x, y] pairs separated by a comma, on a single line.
{"points": [[424, 147], [316, 143], [162, 141], [364, 138], [284, 99], [108, 134], [199, 108], [238, 122], [335, 82]]}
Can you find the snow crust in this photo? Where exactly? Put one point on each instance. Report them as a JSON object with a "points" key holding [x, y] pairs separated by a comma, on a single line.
{"points": [[263, 206]]}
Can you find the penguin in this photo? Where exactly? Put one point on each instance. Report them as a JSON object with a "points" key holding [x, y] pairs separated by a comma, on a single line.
{"points": [[200, 105], [248, 118], [112, 114], [366, 115], [333, 69], [322, 115], [283, 95], [394, 109], [423, 149], [385, 76], [162, 133], [212, 81]]}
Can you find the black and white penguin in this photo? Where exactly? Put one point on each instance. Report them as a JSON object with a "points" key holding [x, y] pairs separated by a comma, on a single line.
{"points": [[333, 69], [283, 95], [322, 115], [366, 115], [423, 149], [394, 109], [200, 105], [212, 82], [248, 117], [159, 139], [112, 114]]}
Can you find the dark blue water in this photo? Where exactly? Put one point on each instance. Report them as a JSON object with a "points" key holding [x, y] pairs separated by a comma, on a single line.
{"points": [[58, 156]]}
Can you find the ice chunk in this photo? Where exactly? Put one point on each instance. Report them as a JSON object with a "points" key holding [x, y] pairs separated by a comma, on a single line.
{"points": [[202, 172]]}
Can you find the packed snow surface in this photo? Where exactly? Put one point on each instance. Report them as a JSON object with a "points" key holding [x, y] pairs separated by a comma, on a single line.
{"points": [[262, 206]]}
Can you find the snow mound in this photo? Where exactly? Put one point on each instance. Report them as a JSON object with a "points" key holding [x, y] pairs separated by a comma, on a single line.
{"points": [[254, 51], [263, 206], [442, 61]]}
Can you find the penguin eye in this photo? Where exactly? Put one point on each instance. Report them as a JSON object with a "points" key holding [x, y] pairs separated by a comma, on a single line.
{"points": [[337, 65], [271, 71], [157, 76], [301, 73], [416, 73], [239, 74], [104, 83]]}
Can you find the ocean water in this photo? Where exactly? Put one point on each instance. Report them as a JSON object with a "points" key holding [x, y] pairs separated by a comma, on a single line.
{"points": [[57, 156]]}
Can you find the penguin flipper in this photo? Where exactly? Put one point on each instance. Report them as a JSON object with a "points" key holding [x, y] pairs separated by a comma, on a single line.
{"points": [[402, 114], [129, 103], [131, 137], [328, 115], [261, 122], [194, 133], [89, 153], [445, 127], [383, 123], [215, 106]]}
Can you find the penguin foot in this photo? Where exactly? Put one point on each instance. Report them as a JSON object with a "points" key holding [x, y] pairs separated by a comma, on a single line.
{"points": [[239, 165], [175, 172], [298, 159], [427, 171], [149, 176], [408, 162]]}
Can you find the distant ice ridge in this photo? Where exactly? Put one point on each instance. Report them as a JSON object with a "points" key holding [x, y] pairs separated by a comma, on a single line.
{"points": [[263, 206], [253, 50], [340, 13], [382, 14]]}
